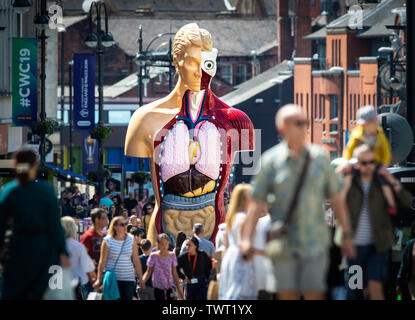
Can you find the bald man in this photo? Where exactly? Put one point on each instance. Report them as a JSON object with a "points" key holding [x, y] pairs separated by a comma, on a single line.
{"points": [[302, 269]]}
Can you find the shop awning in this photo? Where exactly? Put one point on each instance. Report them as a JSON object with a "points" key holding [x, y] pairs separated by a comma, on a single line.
{"points": [[65, 174]]}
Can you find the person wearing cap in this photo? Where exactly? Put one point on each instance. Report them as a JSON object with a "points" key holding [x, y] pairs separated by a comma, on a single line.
{"points": [[204, 244], [369, 132]]}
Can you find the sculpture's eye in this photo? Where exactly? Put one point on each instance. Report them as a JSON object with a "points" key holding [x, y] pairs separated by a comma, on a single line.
{"points": [[209, 64]]}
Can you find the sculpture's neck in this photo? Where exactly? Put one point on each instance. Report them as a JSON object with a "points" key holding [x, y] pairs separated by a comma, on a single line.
{"points": [[195, 100]]}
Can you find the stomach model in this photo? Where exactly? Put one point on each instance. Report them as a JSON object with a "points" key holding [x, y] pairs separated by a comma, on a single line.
{"points": [[190, 166]]}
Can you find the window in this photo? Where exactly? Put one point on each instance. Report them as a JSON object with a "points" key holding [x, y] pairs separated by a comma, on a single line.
{"points": [[333, 112], [315, 106], [333, 155], [226, 71], [339, 60], [364, 99], [308, 112], [240, 73], [119, 116], [368, 97], [66, 116], [333, 62], [322, 108], [301, 104], [354, 108], [333, 107], [296, 98]]}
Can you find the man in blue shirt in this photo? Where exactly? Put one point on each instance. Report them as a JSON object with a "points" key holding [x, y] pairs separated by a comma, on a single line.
{"points": [[106, 200], [204, 245]]}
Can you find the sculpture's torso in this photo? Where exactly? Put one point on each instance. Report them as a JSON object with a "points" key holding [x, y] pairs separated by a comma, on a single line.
{"points": [[191, 159]]}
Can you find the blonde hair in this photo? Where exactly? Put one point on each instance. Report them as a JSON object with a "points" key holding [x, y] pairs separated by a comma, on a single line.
{"points": [[69, 227], [363, 148], [188, 35], [207, 43], [111, 229], [237, 202]]}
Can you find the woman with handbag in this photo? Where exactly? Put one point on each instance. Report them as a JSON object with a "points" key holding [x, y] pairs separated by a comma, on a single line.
{"points": [[161, 266], [119, 258]]}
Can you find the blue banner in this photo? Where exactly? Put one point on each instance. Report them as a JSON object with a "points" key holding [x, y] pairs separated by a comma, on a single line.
{"points": [[24, 82], [84, 91], [89, 153]]}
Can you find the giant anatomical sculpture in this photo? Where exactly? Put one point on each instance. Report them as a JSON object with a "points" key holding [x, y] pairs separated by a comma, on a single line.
{"points": [[190, 138]]}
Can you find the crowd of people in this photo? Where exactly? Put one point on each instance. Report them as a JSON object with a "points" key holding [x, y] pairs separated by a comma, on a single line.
{"points": [[295, 232]]}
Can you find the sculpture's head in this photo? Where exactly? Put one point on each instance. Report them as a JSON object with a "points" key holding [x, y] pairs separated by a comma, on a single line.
{"points": [[208, 67], [188, 45]]}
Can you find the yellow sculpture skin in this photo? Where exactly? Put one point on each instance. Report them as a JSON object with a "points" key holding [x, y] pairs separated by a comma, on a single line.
{"points": [[149, 119]]}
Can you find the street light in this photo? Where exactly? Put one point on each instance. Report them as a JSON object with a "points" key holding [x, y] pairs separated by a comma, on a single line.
{"points": [[41, 21], [91, 40], [100, 39], [142, 59], [389, 51], [70, 63], [107, 40], [21, 6]]}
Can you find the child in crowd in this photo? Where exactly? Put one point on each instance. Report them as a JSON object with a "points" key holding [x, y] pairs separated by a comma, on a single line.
{"points": [[148, 292], [369, 132], [161, 265]]}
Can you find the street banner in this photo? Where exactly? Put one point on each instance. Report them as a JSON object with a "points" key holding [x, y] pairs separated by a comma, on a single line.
{"points": [[89, 153], [24, 82], [84, 91]]}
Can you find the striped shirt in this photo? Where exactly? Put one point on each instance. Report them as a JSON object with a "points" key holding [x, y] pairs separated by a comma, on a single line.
{"points": [[124, 270], [363, 234]]}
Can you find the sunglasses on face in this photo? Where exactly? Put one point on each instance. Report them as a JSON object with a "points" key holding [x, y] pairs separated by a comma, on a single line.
{"points": [[121, 224], [365, 163], [300, 123]]}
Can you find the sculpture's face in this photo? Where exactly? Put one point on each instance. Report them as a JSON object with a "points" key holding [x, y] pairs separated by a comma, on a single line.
{"points": [[189, 68], [209, 61]]}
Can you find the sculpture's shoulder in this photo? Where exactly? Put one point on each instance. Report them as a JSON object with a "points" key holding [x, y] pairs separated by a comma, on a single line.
{"points": [[143, 113], [137, 140], [236, 117], [144, 125]]}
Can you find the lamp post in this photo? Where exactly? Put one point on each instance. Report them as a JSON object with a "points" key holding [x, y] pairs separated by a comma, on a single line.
{"points": [[142, 59], [70, 118], [100, 39], [41, 21], [62, 92]]}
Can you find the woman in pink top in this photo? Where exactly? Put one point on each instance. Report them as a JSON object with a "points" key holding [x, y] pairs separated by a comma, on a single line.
{"points": [[161, 265]]}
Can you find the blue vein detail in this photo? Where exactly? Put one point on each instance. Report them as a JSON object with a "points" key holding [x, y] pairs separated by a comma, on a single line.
{"points": [[188, 118]]}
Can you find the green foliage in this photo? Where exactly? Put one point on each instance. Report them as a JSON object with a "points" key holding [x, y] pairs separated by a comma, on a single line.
{"points": [[46, 127], [97, 176], [102, 133], [141, 177]]}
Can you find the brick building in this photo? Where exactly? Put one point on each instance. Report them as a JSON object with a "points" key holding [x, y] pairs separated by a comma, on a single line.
{"points": [[332, 88]]}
